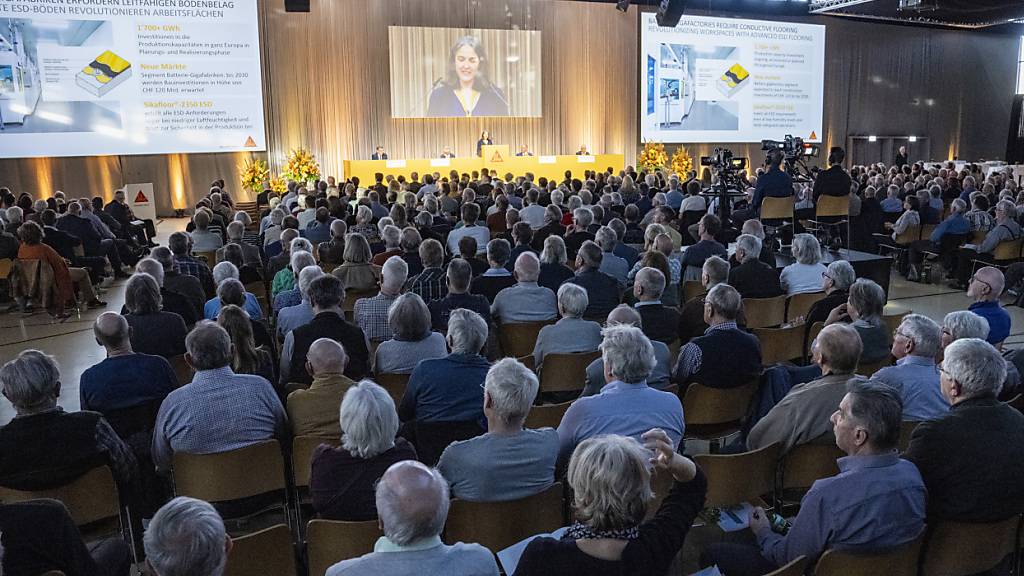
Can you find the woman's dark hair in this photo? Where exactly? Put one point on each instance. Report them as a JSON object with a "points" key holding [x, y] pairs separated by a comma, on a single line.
{"points": [[480, 82], [233, 254], [30, 233], [912, 200], [981, 202], [236, 322]]}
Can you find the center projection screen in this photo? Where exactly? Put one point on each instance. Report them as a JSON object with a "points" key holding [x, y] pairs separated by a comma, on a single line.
{"points": [[460, 72], [712, 80], [98, 77]]}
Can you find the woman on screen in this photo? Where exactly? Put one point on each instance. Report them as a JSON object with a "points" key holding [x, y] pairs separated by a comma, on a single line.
{"points": [[466, 91]]}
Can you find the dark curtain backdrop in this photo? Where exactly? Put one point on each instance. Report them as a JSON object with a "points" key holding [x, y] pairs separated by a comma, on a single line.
{"points": [[326, 87]]}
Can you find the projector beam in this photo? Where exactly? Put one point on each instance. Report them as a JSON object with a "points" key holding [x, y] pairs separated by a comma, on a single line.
{"points": [[825, 6]]}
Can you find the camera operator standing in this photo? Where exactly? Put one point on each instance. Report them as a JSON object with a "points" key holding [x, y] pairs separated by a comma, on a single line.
{"points": [[835, 181], [775, 182]]}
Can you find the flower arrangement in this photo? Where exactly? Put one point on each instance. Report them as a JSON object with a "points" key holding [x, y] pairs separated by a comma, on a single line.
{"points": [[300, 165], [278, 184], [682, 163], [653, 156], [254, 173]]}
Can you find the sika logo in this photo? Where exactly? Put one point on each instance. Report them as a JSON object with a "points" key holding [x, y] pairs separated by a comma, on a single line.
{"points": [[140, 198], [497, 157], [250, 143]]}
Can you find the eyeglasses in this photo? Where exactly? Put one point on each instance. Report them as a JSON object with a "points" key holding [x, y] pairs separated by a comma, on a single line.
{"points": [[975, 278], [825, 275]]}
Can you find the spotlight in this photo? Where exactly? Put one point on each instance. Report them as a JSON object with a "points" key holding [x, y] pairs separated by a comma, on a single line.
{"points": [[622, 5]]}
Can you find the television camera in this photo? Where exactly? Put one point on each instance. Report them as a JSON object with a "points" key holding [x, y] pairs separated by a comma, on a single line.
{"points": [[795, 152]]}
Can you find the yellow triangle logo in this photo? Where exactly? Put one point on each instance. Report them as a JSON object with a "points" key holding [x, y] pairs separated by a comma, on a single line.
{"points": [[250, 143], [814, 135], [497, 157]]}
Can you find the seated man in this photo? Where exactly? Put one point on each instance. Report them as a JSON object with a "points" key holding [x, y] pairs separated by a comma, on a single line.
{"points": [[725, 356], [803, 414], [626, 315], [184, 285], [292, 317], [470, 215], [694, 257], [626, 405], [602, 290], [186, 536], [313, 411], [526, 301], [691, 316], [170, 301], [985, 288], [496, 278], [371, 314], [180, 245], [219, 411], [972, 458], [412, 501], [753, 278], [250, 253], [430, 283], [572, 333], [203, 240], [876, 502], [508, 462], [915, 344], [459, 276], [660, 323]]}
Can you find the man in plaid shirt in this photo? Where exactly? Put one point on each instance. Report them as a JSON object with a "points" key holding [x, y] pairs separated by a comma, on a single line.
{"points": [[371, 314], [430, 284], [181, 246]]}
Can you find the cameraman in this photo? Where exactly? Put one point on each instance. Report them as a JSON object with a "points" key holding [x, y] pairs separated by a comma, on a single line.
{"points": [[835, 181], [774, 182]]}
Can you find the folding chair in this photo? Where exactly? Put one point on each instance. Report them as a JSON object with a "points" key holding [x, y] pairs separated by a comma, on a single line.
{"points": [[518, 339], [302, 466], [737, 478], [330, 541], [899, 561], [268, 551], [546, 415], [907, 428], [780, 344], [182, 370], [498, 525], [804, 465], [837, 210], [898, 247], [1004, 254], [960, 548], [395, 384], [764, 312], [715, 413], [800, 304], [775, 209], [565, 372]]}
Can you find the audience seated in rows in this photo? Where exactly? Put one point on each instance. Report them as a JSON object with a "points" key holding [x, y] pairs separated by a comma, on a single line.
{"points": [[571, 334]]}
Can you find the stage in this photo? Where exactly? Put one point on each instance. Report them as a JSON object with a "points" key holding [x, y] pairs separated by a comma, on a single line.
{"points": [[550, 167]]}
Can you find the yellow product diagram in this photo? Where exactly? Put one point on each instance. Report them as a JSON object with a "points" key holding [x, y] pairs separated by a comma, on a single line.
{"points": [[104, 74], [733, 80]]}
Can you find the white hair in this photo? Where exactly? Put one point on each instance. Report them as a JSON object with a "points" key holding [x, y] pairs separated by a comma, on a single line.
{"points": [[467, 332], [512, 388], [924, 332], [223, 271], [976, 365], [30, 380], [806, 249], [368, 419], [610, 480], [573, 300], [405, 524], [627, 353], [300, 245], [651, 280], [306, 277], [185, 537], [751, 246], [394, 273], [965, 324]]}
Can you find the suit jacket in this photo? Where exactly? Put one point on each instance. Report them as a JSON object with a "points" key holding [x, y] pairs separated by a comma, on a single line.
{"points": [[602, 292], [660, 322], [376, 156], [61, 241], [832, 182], [81, 228], [755, 279]]}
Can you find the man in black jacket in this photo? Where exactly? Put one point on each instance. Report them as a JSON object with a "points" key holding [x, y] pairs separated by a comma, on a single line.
{"points": [[753, 278], [835, 181], [972, 459], [659, 322]]}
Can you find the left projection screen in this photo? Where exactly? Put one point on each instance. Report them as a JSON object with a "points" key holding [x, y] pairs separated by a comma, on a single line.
{"points": [[96, 77]]}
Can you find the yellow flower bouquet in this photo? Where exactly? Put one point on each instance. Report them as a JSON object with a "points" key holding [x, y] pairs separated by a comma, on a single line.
{"points": [[254, 174], [300, 165], [653, 156], [278, 184], [682, 163]]}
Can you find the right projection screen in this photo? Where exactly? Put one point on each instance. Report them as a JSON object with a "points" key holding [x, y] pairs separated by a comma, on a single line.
{"points": [[730, 80]]}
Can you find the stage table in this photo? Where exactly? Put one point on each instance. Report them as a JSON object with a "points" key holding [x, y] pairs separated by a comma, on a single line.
{"points": [[550, 167]]}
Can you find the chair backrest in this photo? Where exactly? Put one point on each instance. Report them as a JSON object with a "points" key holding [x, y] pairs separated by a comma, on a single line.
{"points": [[518, 339], [209, 257], [1007, 250], [805, 464], [816, 329], [6, 265], [498, 525], [182, 370], [268, 551], [764, 312], [737, 478], [907, 428], [773, 208], [394, 383], [780, 344], [893, 321], [433, 437], [259, 290], [89, 498], [349, 305], [302, 456], [832, 206], [691, 290], [926, 231], [910, 234], [250, 471], [959, 549], [704, 405], [546, 415], [800, 304], [565, 372], [794, 568], [330, 541], [899, 561], [869, 368]]}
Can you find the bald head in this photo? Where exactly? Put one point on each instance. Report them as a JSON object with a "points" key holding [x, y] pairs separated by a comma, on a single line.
{"points": [[111, 330], [326, 356], [527, 267], [625, 315], [412, 501], [988, 284]]}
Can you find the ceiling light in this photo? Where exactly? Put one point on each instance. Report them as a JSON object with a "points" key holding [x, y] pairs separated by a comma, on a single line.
{"points": [[872, 138]]}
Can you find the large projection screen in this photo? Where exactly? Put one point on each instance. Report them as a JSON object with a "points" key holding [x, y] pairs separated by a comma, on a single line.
{"points": [[460, 72], [95, 77], [730, 80]]}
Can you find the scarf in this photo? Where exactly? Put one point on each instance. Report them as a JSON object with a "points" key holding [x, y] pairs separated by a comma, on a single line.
{"points": [[580, 531]]}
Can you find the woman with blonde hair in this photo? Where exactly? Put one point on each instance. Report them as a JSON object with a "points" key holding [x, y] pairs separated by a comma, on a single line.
{"points": [[248, 358], [356, 273], [553, 269]]}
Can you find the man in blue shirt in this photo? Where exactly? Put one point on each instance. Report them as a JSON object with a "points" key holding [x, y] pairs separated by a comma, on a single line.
{"points": [[674, 196], [626, 405], [985, 287], [876, 502], [915, 344]]}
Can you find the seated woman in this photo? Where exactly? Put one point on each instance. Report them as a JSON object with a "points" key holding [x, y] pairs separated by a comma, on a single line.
{"points": [[231, 292], [249, 359], [32, 248], [572, 333], [285, 278], [409, 319], [153, 330], [342, 480], [911, 217], [553, 270], [945, 239], [804, 275], [863, 311], [356, 273], [364, 225], [610, 481]]}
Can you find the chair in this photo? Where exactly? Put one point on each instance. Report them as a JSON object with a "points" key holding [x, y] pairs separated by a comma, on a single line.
{"points": [[807, 463], [209, 257], [330, 541], [691, 289], [227, 477], [395, 385], [349, 305], [959, 548], [498, 525], [899, 561], [836, 209], [518, 339], [737, 478], [773, 208], [268, 551], [565, 372], [433, 437], [764, 312], [528, 362], [907, 428], [872, 367], [182, 370], [90, 498], [1004, 254], [800, 304], [302, 456], [714, 413], [259, 290], [893, 321], [780, 344], [794, 568], [546, 415], [816, 329]]}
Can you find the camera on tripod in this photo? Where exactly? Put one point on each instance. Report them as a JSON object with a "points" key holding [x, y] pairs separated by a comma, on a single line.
{"points": [[794, 152], [722, 160]]}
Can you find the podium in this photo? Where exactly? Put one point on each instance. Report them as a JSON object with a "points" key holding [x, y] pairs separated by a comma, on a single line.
{"points": [[494, 153]]}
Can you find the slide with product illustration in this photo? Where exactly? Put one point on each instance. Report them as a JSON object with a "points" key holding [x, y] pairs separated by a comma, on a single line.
{"points": [[730, 80], [94, 77]]}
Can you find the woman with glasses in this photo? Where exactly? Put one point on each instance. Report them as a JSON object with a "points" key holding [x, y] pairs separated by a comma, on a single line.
{"points": [[863, 311]]}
